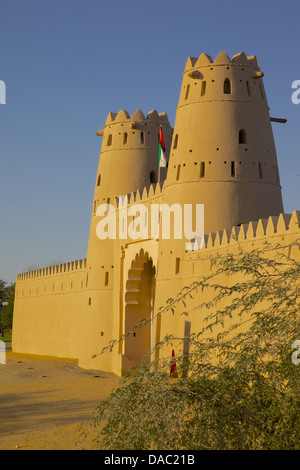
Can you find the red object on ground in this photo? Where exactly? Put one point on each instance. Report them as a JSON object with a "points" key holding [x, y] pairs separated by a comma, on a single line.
{"points": [[173, 372]]}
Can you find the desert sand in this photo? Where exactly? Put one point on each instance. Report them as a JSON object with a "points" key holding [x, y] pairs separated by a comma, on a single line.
{"points": [[46, 402]]}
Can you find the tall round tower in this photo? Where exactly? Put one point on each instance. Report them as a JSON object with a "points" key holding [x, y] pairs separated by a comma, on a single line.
{"points": [[223, 153]]}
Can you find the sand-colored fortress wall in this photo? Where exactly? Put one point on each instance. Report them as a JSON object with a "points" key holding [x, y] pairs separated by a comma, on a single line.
{"points": [[267, 235], [221, 154], [60, 324], [49, 306]]}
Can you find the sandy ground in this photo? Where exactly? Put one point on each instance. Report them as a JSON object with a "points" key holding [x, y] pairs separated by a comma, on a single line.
{"points": [[46, 402]]}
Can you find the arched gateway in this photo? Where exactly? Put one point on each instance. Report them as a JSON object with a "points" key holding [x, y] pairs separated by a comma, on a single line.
{"points": [[139, 305]]}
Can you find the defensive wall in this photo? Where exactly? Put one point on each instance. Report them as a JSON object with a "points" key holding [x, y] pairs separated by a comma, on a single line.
{"points": [[54, 304]]}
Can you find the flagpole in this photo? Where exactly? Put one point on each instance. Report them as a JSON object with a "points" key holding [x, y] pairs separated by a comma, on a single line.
{"points": [[158, 173], [161, 150]]}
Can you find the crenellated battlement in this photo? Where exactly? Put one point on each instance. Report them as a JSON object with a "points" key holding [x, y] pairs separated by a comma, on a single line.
{"points": [[143, 196], [205, 60], [72, 266], [122, 131], [283, 224], [123, 118], [138, 115]]}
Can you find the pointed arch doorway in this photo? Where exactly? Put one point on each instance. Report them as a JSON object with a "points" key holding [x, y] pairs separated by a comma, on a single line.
{"points": [[139, 307]]}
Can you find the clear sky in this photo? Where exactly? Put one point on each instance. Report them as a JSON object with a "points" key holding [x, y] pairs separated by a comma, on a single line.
{"points": [[68, 63]]}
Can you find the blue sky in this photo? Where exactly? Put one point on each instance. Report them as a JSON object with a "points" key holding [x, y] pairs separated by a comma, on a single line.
{"points": [[68, 63]]}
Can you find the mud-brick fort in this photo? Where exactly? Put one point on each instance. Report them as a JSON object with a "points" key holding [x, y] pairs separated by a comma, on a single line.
{"points": [[221, 153]]}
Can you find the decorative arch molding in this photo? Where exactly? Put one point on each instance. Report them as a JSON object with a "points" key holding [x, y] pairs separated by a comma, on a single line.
{"points": [[138, 298]]}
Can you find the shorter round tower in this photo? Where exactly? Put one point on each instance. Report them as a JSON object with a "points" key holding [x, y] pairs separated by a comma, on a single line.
{"points": [[128, 163], [129, 153]]}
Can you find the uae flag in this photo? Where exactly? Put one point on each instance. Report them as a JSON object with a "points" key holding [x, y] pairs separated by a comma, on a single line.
{"points": [[162, 161]]}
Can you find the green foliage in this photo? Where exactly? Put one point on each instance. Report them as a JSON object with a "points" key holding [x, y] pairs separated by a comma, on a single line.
{"points": [[9, 309], [2, 289], [242, 389], [7, 335], [7, 294]]}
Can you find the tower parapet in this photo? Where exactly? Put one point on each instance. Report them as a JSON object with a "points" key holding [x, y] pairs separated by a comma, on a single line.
{"points": [[223, 79]]}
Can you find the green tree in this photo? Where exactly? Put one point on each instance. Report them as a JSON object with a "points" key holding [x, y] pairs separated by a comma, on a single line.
{"points": [[2, 289], [2, 299], [9, 309], [242, 389]]}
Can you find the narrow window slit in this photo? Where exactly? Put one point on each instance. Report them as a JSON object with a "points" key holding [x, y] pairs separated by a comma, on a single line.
{"points": [[202, 169]]}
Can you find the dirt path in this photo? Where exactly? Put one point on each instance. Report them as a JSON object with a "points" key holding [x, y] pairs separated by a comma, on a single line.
{"points": [[44, 401]]}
